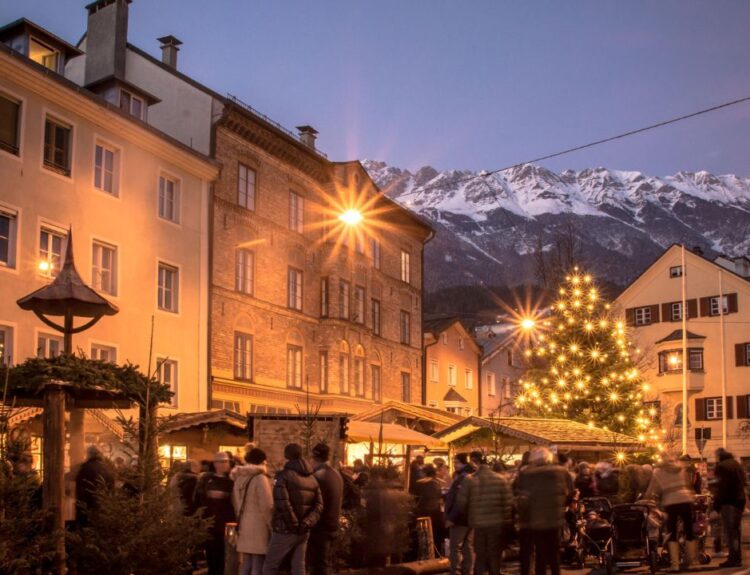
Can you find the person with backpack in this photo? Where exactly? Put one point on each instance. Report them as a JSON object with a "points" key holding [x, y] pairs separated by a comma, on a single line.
{"points": [[253, 503], [324, 532], [460, 535]]}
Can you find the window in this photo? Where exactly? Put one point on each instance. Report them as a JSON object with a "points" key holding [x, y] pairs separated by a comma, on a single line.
{"points": [[375, 248], [103, 353], [6, 344], [507, 389], [671, 361], [104, 268], [8, 226], [294, 367], [57, 144], [675, 311], [344, 373], [167, 374], [510, 357], [294, 285], [51, 246], [642, 315], [714, 408], [460, 343], [106, 162], [675, 272], [169, 199], [742, 354], [323, 372], [405, 327], [48, 345], [359, 304], [168, 288], [132, 104], [469, 379], [44, 55], [444, 338], [405, 267], [244, 268], [714, 305], [491, 384], [10, 116], [452, 375], [434, 371], [243, 356], [375, 308], [225, 404], [405, 387], [359, 376], [343, 299], [375, 375], [246, 187], [296, 212], [324, 297]]}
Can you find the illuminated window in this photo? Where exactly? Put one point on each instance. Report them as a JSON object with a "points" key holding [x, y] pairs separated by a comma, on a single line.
{"points": [[43, 54], [169, 454], [405, 266], [51, 248], [671, 361]]}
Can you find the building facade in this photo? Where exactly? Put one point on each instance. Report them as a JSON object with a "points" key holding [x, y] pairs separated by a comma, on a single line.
{"points": [[452, 367], [501, 370], [717, 344], [135, 200]]}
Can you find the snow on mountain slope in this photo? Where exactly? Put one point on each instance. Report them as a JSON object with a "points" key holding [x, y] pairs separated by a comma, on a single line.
{"points": [[489, 226]]}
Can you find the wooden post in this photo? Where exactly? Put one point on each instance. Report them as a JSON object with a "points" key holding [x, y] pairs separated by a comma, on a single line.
{"points": [[77, 434], [54, 468]]}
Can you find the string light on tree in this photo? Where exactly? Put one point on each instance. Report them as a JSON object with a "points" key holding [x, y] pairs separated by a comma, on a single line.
{"points": [[581, 364]]}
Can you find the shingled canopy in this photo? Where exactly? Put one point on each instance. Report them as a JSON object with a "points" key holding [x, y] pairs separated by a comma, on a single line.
{"points": [[563, 434]]}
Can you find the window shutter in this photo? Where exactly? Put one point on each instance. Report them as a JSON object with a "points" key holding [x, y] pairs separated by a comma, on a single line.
{"points": [[742, 407], [705, 306], [654, 313], [700, 409], [630, 316], [730, 407], [740, 357], [732, 302], [692, 305], [666, 311]]}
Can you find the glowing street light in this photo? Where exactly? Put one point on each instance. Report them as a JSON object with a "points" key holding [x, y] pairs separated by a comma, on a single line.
{"points": [[528, 323], [351, 217]]}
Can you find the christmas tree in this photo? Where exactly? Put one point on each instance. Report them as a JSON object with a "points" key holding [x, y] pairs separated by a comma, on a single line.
{"points": [[581, 364]]}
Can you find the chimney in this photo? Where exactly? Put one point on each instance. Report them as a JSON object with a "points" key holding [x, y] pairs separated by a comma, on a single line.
{"points": [[169, 48], [106, 39], [307, 135]]}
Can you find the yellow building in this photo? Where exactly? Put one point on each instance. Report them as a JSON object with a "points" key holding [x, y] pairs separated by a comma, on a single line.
{"points": [[136, 200], [717, 344], [452, 366]]}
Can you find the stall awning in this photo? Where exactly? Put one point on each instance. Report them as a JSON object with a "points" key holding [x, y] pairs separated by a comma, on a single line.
{"points": [[367, 431]]}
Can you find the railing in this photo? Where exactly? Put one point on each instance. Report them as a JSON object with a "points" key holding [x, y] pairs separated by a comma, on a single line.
{"points": [[275, 124], [107, 422]]}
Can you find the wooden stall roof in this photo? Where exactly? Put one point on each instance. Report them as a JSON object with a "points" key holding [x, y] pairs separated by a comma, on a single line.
{"points": [[370, 431], [82, 397], [437, 416], [200, 418]]}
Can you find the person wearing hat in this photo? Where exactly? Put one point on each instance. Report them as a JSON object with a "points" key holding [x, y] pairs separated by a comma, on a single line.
{"points": [[214, 494], [322, 534], [297, 505]]}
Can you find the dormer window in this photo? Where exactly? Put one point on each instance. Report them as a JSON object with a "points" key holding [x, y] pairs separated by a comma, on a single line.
{"points": [[132, 104], [43, 54]]}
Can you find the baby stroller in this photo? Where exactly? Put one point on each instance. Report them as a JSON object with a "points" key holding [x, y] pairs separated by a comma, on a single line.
{"points": [[701, 510], [634, 537]]}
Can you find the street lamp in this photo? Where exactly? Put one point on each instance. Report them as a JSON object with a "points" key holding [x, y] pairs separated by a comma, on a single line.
{"points": [[527, 323], [351, 217]]}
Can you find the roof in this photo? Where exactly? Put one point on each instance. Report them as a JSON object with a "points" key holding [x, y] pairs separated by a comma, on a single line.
{"points": [[439, 324], [67, 292], [418, 412], [43, 34], [676, 335], [112, 79], [371, 431], [453, 395], [540, 431], [185, 420]]}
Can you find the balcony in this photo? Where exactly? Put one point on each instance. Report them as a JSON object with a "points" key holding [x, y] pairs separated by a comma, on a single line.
{"points": [[670, 381]]}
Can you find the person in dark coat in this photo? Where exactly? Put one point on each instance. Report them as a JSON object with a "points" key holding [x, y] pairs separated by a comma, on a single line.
{"points": [[94, 475], [429, 494], [730, 503], [324, 532], [543, 492], [297, 505], [415, 472], [460, 535], [184, 483], [213, 493]]}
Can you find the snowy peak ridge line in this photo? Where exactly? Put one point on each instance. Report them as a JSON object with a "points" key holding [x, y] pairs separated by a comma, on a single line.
{"points": [[530, 190]]}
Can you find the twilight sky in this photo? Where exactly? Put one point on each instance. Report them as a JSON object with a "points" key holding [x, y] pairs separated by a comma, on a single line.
{"points": [[478, 85]]}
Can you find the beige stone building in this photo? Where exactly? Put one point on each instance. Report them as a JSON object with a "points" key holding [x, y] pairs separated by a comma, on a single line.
{"points": [[136, 200], [452, 367], [718, 347], [502, 367]]}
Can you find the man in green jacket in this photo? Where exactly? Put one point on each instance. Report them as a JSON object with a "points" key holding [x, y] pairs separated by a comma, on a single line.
{"points": [[485, 499]]}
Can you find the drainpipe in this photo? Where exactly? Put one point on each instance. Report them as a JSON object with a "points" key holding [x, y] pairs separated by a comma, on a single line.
{"points": [[421, 323]]}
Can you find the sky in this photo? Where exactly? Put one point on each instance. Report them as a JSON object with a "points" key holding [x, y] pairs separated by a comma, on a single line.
{"points": [[476, 85]]}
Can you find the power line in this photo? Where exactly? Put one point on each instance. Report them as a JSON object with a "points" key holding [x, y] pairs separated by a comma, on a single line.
{"points": [[661, 124]]}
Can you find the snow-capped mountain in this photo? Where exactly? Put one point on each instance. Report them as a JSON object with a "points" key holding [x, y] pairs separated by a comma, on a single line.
{"points": [[489, 226]]}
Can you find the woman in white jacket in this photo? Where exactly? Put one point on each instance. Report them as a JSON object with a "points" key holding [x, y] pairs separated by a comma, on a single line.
{"points": [[253, 504]]}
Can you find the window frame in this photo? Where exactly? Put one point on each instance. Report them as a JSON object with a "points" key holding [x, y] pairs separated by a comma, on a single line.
{"points": [[376, 382], [175, 292], [645, 316], [345, 292], [11, 260], [128, 107], [405, 266], [8, 343], [57, 54], [44, 255], [452, 375], [174, 383], [242, 356], [244, 273], [116, 160], [323, 374], [468, 378], [491, 383], [359, 375], [114, 275], [48, 338], [96, 355], [294, 366], [375, 250], [405, 327], [10, 149], [675, 272], [713, 305], [359, 305], [406, 387], [296, 212], [693, 352], [344, 373], [161, 205], [295, 288], [717, 408], [434, 371], [65, 171], [375, 313], [250, 198]]}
